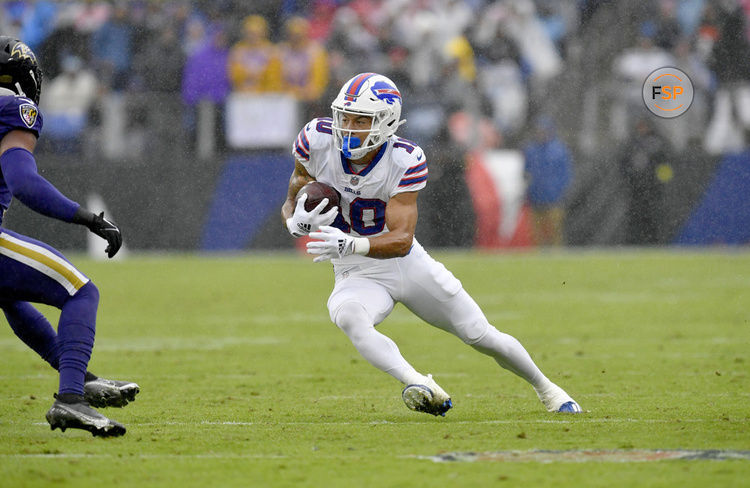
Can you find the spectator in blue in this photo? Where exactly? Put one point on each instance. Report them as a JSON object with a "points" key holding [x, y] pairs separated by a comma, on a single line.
{"points": [[206, 78], [548, 169], [38, 23], [111, 48]]}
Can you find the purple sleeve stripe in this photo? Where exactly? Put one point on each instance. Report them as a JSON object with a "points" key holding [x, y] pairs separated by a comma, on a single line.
{"points": [[412, 181], [416, 169]]}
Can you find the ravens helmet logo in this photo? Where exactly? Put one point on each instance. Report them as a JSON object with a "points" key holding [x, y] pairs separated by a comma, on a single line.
{"points": [[22, 51]]}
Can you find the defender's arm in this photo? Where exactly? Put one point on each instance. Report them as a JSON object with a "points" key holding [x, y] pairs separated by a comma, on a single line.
{"points": [[30, 188], [25, 183]]}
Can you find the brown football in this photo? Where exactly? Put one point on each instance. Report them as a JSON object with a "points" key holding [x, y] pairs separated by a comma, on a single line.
{"points": [[316, 192]]}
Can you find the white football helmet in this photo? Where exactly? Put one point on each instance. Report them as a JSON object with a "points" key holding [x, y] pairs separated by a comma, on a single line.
{"points": [[372, 95]]}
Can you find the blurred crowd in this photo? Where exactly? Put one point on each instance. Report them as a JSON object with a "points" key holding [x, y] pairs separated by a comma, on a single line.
{"points": [[473, 73]]}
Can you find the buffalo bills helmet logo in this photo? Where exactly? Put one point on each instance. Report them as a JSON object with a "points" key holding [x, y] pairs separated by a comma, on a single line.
{"points": [[386, 92]]}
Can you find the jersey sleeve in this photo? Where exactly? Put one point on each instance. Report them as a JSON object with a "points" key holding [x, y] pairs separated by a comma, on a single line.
{"points": [[18, 113], [301, 146], [312, 139], [414, 176]]}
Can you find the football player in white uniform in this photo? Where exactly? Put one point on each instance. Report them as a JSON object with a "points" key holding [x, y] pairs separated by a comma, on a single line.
{"points": [[376, 259]]}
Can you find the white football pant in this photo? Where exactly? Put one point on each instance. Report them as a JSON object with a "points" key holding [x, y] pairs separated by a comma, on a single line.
{"points": [[364, 295]]}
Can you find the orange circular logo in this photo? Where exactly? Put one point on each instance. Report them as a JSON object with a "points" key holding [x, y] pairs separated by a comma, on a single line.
{"points": [[668, 92]]}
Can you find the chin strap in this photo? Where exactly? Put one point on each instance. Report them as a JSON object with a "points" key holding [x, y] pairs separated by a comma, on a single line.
{"points": [[20, 90]]}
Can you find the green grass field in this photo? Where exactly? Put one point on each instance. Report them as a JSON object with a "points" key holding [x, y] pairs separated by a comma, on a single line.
{"points": [[245, 382]]}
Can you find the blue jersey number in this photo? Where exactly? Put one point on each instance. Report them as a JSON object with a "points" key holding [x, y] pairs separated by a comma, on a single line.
{"points": [[367, 216], [324, 126]]}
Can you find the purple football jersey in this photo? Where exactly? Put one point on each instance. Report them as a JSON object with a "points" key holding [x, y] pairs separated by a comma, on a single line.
{"points": [[16, 113]]}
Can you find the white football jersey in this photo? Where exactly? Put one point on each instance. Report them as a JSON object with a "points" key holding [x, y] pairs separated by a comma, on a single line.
{"points": [[399, 166]]}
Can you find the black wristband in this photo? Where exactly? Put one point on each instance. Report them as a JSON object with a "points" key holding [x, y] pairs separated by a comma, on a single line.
{"points": [[83, 217]]}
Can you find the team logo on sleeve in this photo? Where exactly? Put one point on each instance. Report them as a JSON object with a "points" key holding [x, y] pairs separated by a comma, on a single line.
{"points": [[28, 114]]}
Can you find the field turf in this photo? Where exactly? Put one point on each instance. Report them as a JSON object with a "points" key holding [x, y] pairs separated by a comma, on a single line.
{"points": [[245, 382]]}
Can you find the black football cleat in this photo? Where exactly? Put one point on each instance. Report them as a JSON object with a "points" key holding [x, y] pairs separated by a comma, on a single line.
{"points": [[101, 392], [79, 415]]}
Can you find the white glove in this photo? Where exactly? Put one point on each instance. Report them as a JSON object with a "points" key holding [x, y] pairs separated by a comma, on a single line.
{"points": [[302, 221], [333, 243]]}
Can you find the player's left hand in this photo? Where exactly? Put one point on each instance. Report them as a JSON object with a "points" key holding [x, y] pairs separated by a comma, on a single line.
{"points": [[106, 229], [302, 221]]}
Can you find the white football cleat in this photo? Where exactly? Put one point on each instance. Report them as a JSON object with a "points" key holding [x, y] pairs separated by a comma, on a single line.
{"points": [[555, 399], [427, 397]]}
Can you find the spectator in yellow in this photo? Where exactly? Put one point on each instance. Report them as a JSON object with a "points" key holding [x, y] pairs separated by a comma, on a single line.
{"points": [[304, 62], [253, 60], [458, 52]]}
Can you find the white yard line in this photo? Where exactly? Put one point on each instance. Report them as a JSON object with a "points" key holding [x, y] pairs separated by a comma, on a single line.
{"points": [[571, 421], [539, 456]]}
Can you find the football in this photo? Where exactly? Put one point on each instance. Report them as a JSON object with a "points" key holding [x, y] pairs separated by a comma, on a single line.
{"points": [[316, 192]]}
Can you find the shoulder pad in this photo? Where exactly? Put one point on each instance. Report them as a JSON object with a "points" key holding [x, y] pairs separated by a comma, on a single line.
{"points": [[19, 113], [411, 157], [314, 135]]}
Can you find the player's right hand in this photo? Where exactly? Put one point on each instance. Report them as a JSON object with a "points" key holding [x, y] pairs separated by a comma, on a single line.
{"points": [[106, 229], [303, 222]]}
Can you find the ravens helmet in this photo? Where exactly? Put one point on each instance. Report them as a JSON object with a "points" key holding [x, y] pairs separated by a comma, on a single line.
{"points": [[19, 69]]}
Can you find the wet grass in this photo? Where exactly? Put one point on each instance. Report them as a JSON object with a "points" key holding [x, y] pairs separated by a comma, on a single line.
{"points": [[245, 382]]}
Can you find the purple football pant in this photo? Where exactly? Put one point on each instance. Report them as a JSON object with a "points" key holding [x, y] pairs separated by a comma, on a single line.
{"points": [[32, 271]]}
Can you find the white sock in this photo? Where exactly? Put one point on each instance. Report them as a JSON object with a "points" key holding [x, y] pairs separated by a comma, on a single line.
{"points": [[411, 377], [378, 349], [511, 355]]}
